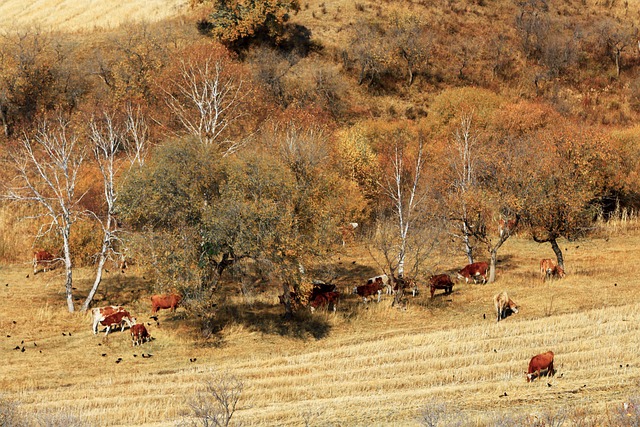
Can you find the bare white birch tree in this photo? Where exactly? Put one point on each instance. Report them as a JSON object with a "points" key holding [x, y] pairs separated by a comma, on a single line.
{"points": [[47, 168], [137, 136], [207, 102], [406, 193], [107, 140], [464, 165]]}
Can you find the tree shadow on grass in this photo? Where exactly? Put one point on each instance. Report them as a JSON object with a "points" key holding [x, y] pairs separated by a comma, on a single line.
{"points": [[268, 320]]}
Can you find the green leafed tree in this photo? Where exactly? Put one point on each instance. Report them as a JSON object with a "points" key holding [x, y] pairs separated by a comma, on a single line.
{"points": [[237, 22]]}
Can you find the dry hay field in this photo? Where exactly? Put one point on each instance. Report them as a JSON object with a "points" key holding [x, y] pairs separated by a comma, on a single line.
{"points": [[445, 357], [84, 14]]}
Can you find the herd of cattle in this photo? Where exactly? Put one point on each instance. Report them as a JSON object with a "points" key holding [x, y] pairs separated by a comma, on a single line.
{"points": [[327, 295], [114, 316]]}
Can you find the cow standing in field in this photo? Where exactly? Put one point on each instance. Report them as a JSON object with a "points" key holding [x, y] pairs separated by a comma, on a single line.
{"points": [[549, 269], [503, 305], [42, 259], [118, 319], [165, 301], [476, 272], [440, 281], [542, 364], [325, 299], [139, 334], [98, 314], [383, 279], [369, 289]]}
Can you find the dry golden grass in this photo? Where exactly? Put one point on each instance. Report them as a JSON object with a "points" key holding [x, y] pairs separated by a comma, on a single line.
{"points": [[372, 365], [79, 14]]}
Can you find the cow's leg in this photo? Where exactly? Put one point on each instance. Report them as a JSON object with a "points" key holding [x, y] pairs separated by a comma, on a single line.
{"points": [[379, 294]]}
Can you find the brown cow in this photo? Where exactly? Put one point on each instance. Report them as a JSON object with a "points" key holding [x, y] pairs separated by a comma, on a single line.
{"points": [[119, 318], [549, 269], [440, 281], [406, 284], [100, 313], [503, 305], [43, 259], [139, 334], [476, 271], [165, 301], [542, 364], [369, 289], [328, 299], [383, 280]]}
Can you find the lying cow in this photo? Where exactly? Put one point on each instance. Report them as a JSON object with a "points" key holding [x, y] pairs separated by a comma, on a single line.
{"points": [[503, 305], [43, 259], [540, 365], [118, 319], [476, 272], [549, 269], [139, 334], [326, 299], [369, 289], [98, 314], [440, 281], [165, 301]]}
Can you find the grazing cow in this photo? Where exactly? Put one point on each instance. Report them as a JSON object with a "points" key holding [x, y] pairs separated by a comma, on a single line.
{"points": [[42, 259], [328, 299], [476, 271], [322, 288], [440, 281], [383, 280], [369, 289], [404, 284], [139, 334], [118, 319], [549, 269], [503, 304], [100, 313], [165, 301], [542, 364]]}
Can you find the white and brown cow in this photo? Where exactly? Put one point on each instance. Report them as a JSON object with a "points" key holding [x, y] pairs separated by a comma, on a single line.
{"points": [[44, 260], [139, 334], [118, 319], [369, 289], [384, 281], [475, 272], [549, 269], [503, 305], [98, 314]]}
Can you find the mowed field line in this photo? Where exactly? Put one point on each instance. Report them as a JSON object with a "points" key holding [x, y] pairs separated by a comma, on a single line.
{"points": [[375, 365], [372, 382]]}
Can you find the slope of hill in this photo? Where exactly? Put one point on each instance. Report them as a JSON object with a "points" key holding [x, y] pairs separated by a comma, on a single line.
{"points": [[77, 14], [371, 365]]}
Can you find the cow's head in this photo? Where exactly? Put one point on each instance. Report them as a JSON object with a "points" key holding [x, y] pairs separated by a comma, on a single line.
{"points": [[355, 289]]}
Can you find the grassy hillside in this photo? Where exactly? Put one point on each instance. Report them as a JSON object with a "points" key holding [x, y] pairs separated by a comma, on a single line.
{"points": [[372, 365], [82, 15]]}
